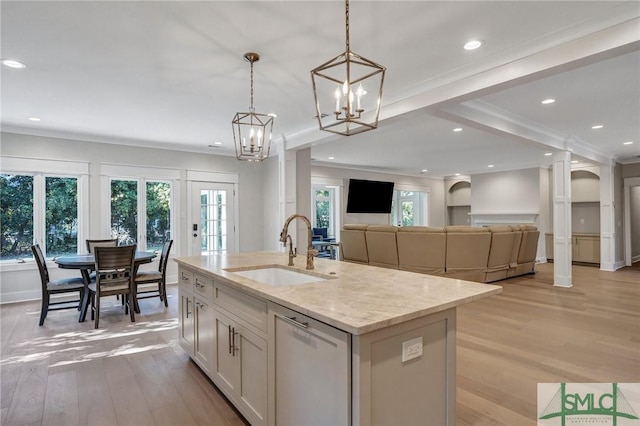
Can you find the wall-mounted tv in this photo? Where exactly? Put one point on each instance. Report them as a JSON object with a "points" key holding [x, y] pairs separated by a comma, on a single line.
{"points": [[369, 196]]}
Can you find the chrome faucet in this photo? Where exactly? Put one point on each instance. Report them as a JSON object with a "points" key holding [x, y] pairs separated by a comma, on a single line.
{"points": [[285, 233]]}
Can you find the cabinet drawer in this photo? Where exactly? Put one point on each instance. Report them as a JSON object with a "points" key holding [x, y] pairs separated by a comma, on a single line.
{"points": [[185, 278], [244, 306], [203, 286]]}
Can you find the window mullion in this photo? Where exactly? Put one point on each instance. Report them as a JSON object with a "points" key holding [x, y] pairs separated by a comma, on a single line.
{"points": [[39, 211], [142, 214]]}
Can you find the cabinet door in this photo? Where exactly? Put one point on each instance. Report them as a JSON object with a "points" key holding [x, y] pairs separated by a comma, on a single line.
{"points": [[251, 351], [185, 278], [312, 370], [203, 330], [186, 321], [226, 366], [587, 249]]}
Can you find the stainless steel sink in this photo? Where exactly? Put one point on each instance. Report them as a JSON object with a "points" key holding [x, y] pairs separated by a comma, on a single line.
{"points": [[276, 276]]}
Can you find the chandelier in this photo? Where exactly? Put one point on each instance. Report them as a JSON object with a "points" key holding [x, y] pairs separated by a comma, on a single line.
{"points": [[340, 89], [252, 130]]}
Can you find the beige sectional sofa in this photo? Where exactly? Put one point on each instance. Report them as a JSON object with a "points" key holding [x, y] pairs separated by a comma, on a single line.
{"points": [[483, 254]]}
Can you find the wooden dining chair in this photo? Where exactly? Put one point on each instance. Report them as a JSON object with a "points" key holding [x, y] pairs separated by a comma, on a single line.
{"points": [[91, 244], [155, 277], [60, 286], [115, 272]]}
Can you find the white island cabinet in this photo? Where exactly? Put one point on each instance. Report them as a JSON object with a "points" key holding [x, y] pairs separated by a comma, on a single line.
{"points": [[347, 345], [311, 372]]}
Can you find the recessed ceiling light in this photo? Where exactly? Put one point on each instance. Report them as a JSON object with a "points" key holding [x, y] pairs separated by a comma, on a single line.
{"points": [[273, 114], [472, 44], [574, 162], [548, 154], [36, 119], [490, 165], [424, 170], [332, 158], [597, 126], [12, 63], [627, 143], [548, 101], [457, 174], [217, 143], [457, 129]]}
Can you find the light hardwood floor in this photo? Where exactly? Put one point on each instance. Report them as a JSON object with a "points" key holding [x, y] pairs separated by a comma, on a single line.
{"points": [[67, 373]]}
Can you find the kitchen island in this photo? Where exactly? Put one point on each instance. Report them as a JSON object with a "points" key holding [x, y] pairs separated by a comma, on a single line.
{"points": [[341, 344]]}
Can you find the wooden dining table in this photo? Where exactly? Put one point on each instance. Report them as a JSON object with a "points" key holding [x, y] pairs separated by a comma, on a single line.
{"points": [[87, 262]]}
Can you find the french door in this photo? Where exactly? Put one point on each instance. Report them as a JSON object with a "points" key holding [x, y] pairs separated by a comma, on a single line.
{"points": [[212, 223]]}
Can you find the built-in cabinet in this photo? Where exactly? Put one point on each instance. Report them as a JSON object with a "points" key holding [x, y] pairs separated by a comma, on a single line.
{"points": [[185, 311], [301, 395], [585, 248], [279, 367], [221, 332]]}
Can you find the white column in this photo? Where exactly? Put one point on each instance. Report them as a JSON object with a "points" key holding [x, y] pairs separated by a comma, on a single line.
{"points": [[607, 218], [286, 185], [562, 249], [303, 195], [294, 176]]}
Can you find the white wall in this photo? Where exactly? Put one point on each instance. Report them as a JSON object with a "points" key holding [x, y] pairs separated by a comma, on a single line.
{"points": [[435, 188], [21, 282], [271, 217], [518, 196], [459, 194], [515, 191], [585, 187]]}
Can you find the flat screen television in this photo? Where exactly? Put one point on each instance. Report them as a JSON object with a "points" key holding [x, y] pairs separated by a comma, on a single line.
{"points": [[369, 196]]}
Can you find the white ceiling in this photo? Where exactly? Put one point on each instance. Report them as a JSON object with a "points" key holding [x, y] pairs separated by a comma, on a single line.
{"points": [[171, 74]]}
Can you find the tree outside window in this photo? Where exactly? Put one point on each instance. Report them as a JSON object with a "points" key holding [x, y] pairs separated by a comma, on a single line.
{"points": [[158, 214], [127, 198], [61, 221], [56, 230], [16, 216], [124, 211], [323, 208]]}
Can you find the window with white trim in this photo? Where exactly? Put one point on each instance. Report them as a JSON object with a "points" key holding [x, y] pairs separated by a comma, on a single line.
{"points": [[39, 208], [409, 208], [140, 212], [323, 200]]}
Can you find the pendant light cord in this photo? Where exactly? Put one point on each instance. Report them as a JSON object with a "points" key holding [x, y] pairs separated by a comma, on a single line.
{"points": [[346, 18], [251, 107]]}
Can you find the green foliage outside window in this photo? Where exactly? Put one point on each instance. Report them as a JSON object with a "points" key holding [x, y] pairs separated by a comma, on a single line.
{"points": [[124, 211], [61, 222], [16, 216], [158, 214], [322, 208], [407, 213]]}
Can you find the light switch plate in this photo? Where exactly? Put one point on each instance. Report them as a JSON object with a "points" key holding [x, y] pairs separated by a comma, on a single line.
{"points": [[411, 349]]}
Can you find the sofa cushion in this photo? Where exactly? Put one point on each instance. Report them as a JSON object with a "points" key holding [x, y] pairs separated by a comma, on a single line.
{"points": [[353, 244], [467, 249], [500, 252], [422, 249], [382, 245]]}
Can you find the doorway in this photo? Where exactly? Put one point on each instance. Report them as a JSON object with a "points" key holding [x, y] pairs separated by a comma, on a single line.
{"points": [[212, 218]]}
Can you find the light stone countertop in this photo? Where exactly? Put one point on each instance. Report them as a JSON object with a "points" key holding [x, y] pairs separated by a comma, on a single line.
{"points": [[355, 298]]}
